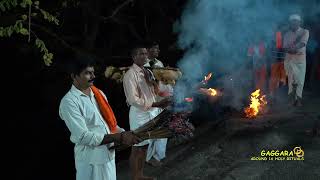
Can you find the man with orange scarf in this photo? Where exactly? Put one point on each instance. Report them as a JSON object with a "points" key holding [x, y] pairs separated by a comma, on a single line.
{"points": [[257, 53], [90, 119], [277, 74]]}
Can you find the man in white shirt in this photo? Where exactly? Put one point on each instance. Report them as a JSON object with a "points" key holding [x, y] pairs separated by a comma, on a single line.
{"points": [[157, 148], [295, 42], [140, 90], [153, 53], [90, 131]]}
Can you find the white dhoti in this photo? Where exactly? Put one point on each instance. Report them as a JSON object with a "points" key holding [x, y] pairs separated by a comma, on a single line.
{"points": [[87, 171], [295, 70], [138, 118], [157, 149]]}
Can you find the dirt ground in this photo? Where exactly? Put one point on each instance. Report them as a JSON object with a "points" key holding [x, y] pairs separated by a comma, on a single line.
{"points": [[224, 152]]}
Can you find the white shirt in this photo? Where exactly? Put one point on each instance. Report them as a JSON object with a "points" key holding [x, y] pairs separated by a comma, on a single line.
{"points": [[157, 63], [136, 89], [290, 38], [82, 116], [140, 96]]}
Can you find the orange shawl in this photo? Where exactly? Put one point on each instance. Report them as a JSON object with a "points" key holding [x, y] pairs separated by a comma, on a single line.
{"points": [[105, 109]]}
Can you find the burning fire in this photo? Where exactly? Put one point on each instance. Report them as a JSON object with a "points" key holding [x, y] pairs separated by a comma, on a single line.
{"points": [[212, 91], [188, 99], [257, 103], [207, 78], [209, 92]]}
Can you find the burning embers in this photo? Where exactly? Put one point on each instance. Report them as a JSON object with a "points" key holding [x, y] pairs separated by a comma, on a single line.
{"points": [[208, 92], [207, 78], [205, 91], [257, 104]]}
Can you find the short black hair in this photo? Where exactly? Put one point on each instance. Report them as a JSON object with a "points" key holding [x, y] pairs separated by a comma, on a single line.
{"points": [[151, 44], [136, 47], [79, 62]]}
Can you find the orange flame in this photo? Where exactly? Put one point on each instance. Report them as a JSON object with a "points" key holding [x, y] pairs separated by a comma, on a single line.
{"points": [[257, 103], [209, 92], [212, 91], [207, 78], [188, 99]]}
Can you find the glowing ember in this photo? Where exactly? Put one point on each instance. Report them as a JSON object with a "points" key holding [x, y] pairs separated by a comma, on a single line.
{"points": [[188, 99], [257, 104], [212, 92], [207, 78], [209, 92]]}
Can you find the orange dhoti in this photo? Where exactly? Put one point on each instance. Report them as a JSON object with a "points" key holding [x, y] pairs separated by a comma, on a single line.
{"points": [[278, 75], [261, 77]]}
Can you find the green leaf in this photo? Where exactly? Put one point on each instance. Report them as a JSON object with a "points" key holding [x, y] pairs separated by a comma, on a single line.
{"points": [[2, 7], [28, 2], [48, 59], [10, 30], [5, 34], [24, 31], [37, 3], [16, 28], [50, 55], [20, 25], [23, 4], [44, 14], [14, 3], [1, 33], [38, 43], [49, 17], [7, 4], [56, 21], [47, 62], [24, 17]]}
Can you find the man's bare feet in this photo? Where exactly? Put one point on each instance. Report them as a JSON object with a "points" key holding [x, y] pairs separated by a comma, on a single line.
{"points": [[298, 102]]}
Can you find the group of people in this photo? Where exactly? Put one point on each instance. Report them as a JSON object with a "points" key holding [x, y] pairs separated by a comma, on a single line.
{"points": [[288, 57], [92, 123]]}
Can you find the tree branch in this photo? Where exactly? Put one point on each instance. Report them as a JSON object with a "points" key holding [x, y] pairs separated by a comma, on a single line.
{"points": [[29, 37], [131, 28], [117, 10], [146, 25], [62, 41]]}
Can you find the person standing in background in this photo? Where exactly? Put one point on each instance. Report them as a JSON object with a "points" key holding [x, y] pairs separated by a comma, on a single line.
{"points": [[295, 42]]}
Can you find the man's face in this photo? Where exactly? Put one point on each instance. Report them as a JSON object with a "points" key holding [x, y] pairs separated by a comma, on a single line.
{"points": [[85, 78], [154, 51], [140, 58], [294, 24]]}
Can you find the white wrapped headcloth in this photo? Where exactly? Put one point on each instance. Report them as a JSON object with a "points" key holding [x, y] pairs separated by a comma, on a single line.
{"points": [[294, 17]]}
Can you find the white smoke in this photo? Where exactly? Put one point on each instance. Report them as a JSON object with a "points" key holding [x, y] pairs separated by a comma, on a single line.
{"points": [[215, 35]]}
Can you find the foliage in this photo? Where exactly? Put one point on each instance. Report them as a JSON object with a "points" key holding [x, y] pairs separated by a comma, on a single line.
{"points": [[30, 9]]}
